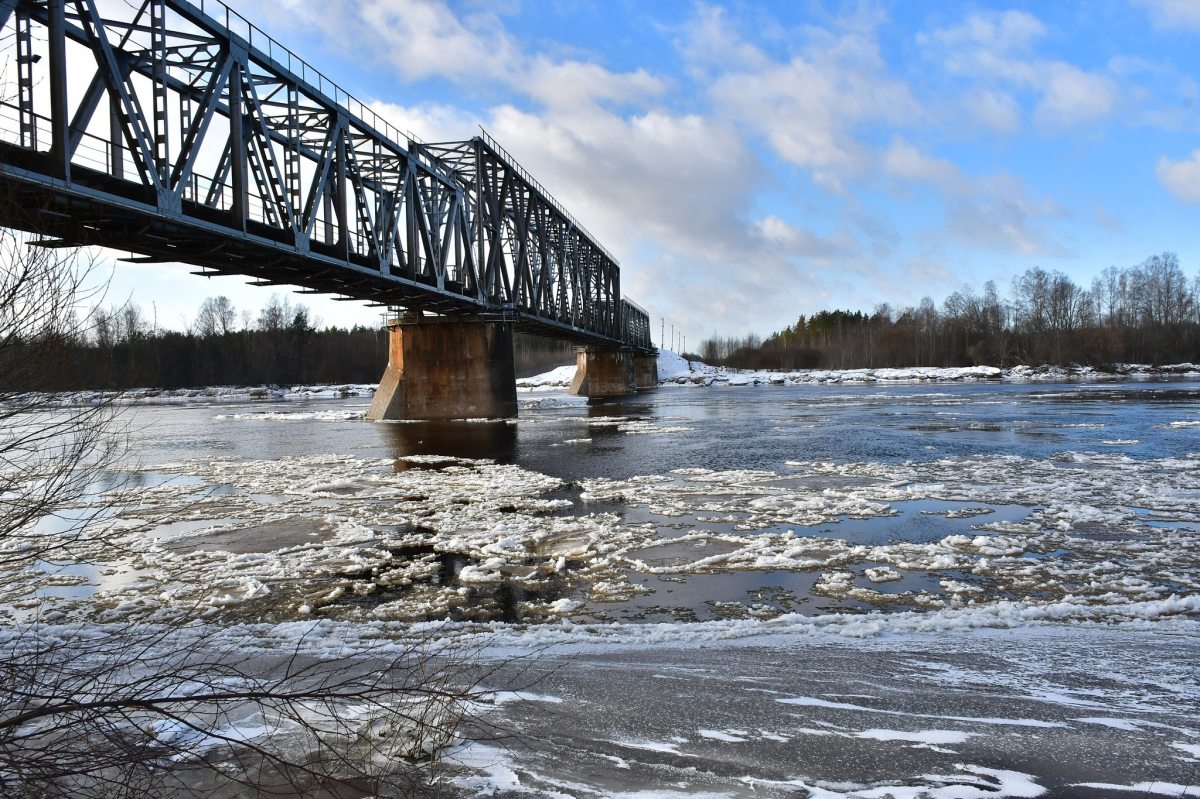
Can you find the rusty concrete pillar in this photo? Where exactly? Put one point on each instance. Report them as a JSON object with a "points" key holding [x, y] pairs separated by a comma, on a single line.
{"points": [[603, 372], [447, 367], [645, 369]]}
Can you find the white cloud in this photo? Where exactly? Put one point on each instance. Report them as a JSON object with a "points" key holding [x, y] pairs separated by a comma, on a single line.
{"points": [[1072, 96], [905, 161], [999, 50], [810, 107], [713, 41], [995, 110], [1181, 178], [1000, 215], [1173, 14], [422, 38], [815, 108], [670, 193], [797, 241], [991, 212], [431, 123], [988, 45], [577, 84], [1111, 222]]}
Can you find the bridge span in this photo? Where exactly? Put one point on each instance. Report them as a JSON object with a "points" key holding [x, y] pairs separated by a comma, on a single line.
{"points": [[180, 133]]}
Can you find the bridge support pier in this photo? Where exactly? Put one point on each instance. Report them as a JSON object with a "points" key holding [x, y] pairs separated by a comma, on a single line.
{"points": [[645, 370], [606, 372], [447, 367]]}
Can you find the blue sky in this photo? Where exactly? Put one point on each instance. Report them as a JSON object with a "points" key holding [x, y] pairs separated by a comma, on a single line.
{"points": [[751, 162]]}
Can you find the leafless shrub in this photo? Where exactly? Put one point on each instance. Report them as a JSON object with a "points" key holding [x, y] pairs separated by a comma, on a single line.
{"points": [[51, 451], [197, 710]]}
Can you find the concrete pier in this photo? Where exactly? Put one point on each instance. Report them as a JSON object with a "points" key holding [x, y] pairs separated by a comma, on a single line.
{"points": [[447, 367], [645, 370], [603, 373]]}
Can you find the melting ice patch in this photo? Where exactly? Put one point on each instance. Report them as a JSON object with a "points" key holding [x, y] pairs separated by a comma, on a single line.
{"points": [[811, 701], [1191, 749], [495, 771], [1145, 788], [973, 782], [1128, 725], [1103, 529], [553, 402], [917, 736], [294, 416], [631, 426], [176, 396]]}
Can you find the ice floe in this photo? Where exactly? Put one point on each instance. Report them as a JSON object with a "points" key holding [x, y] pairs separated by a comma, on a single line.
{"points": [[294, 416], [1100, 537]]}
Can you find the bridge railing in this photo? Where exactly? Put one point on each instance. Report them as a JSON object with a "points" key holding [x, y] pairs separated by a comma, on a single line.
{"points": [[528, 178], [257, 39], [635, 325], [98, 153]]}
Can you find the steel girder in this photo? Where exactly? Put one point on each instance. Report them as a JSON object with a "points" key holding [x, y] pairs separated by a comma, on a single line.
{"points": [[199, 139]]}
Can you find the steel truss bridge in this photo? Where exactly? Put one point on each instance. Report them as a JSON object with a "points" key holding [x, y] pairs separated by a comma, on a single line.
{"points": [[199, 139]]}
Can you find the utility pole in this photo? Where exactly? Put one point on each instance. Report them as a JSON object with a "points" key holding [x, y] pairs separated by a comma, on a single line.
{"points": [[672, 336], [662, 334]]}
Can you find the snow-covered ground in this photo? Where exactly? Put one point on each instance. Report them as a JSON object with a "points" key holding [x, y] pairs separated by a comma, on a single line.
{"points": [[674, 370], [555, 378]]}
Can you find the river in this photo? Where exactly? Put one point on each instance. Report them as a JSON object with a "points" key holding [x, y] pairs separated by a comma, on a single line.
{"points": [[987, 513]]}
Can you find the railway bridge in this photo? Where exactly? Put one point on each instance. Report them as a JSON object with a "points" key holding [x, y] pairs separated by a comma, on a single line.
{"points": [[178, 132]]}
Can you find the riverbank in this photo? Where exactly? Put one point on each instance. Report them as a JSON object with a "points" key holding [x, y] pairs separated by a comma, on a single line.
{"points": [[675, 370]]}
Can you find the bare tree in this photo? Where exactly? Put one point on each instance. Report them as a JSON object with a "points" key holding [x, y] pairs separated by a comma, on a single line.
{"points": [[216, 317], [275, 315]]}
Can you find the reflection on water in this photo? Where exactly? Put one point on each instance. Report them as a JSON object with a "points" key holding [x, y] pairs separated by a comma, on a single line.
{"points": [[490, 440]]}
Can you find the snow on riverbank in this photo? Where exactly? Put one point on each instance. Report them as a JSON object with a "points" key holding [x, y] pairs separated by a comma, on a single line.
{"points": [[674, 370], [174, 396], [561, 376]]}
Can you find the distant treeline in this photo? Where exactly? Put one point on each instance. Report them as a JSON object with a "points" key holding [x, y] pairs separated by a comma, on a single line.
{"points": [[120, 348], [1148, 313]]}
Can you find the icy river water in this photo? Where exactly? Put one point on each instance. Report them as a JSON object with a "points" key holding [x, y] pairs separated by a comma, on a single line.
{"points": [[936, 589]]}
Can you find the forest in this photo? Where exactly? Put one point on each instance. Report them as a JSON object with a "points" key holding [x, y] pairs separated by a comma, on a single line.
{"points": [[283, 344], [1146, 313]]}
